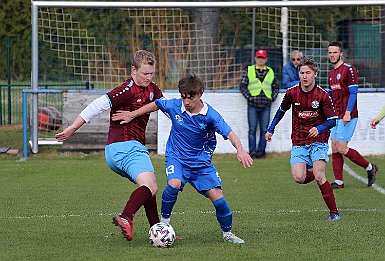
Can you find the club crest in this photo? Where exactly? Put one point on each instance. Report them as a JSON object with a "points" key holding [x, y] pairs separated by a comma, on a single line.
{"points": [[314, 104]]}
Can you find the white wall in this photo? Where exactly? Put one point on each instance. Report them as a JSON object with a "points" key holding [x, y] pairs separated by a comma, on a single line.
{"points": [[233, 108]]}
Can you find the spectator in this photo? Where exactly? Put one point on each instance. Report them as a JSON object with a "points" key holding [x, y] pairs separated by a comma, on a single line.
{"points": [[260, 88], [290, 75]]}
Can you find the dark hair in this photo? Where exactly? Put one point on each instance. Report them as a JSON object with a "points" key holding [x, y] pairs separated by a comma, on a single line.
{"points": [[337, 44], [142, 57], [191, 85], [308, 61]]}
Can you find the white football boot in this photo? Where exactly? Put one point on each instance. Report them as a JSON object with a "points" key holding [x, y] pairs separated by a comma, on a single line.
{"points": [[230, 237]]}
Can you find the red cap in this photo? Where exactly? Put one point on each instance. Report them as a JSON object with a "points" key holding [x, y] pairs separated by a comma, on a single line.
{"points": [[261, 53]]}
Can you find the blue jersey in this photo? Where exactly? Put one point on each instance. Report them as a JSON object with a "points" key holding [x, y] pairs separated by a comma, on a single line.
{"points": [[192, 137]]}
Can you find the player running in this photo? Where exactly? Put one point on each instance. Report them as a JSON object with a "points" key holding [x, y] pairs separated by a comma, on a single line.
{"points": [[312, 117], [190, 147], [125, 151], [343, 84]]}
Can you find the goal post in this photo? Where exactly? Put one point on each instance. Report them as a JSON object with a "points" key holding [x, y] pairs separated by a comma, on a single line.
{"points": [[79, 42]]}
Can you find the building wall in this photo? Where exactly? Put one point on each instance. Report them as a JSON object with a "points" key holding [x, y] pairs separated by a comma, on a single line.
{"points": [[233, 108]]}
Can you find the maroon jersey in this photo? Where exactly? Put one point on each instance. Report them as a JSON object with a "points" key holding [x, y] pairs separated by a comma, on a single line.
{"points": [[129, 97], [339, 81], [310, 109]]}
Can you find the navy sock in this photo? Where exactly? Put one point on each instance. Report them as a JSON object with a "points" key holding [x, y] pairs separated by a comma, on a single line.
{"points": [[224, 215], [169, 198]]}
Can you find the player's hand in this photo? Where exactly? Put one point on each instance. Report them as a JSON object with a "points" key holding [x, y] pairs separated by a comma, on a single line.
{"points": [[268, 136], [374, 123], [66, 134], [244, 158], [313, 132], [123, 116], [347, 118]]}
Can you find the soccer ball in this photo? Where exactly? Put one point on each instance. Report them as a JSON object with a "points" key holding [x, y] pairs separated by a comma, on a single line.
{"points": [[161, 235]]}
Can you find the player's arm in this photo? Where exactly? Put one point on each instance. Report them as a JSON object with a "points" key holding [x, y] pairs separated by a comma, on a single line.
{"points": [[374, 122], [277, 118], [353, 90], [352, 75], [127, 116], [94, 109], [285, 105], [330, 114], [243, 157], [327, 125]]}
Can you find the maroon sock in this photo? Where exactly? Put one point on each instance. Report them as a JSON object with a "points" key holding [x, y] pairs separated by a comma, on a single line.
{"points": [[328, 196], [309, 177], [137, 199], [356, 157], [151, 211], [338, 165]]}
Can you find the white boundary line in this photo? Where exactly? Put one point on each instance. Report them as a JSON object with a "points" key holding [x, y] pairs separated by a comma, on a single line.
{"points": [[210, 212], [355, 175], [284, 211]]}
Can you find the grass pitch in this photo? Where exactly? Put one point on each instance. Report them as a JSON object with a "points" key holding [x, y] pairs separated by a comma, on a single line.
{"points": [[59, 207]]}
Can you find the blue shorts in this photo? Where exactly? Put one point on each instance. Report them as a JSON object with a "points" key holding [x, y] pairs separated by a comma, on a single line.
{"points": [[128, 159], [201, 178], [309, 153], [342, 132]]}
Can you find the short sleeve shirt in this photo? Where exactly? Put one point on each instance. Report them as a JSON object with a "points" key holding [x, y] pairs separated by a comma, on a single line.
{"points": [[192, 138]]}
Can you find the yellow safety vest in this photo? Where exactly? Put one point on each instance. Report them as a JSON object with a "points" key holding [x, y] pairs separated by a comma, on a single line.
{"points": [[256, 86]]}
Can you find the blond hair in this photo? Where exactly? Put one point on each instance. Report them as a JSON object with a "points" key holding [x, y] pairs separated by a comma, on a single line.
{"points": [[143, 57]]}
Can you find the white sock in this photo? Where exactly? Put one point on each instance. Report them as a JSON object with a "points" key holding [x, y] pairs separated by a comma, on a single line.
{"points": [[165, 220], [339, 182], [369, 167]]}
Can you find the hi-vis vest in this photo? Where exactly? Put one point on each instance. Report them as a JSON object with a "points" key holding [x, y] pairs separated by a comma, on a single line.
{"points": [[256, 86]]}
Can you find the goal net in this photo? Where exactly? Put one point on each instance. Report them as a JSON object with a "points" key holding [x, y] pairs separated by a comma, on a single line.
{"points": [[90, 46]]}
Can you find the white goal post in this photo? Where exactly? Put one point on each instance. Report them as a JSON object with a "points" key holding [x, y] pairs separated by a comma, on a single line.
{"points": [[283, 45]]}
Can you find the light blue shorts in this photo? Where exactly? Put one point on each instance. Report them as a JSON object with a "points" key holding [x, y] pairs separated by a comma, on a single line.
{"points": [[342, 132], [128, 159], [202, 178], [309, 153]]}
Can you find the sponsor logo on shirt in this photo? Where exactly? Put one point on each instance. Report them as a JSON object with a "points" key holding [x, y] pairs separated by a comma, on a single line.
{"points": [[307, 114]]}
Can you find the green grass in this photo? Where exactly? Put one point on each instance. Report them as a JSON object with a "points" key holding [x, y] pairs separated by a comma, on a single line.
{"points": [[59, 207]]}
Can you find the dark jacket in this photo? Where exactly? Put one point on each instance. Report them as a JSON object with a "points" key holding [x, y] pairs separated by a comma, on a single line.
{"points": [[290, 75]]}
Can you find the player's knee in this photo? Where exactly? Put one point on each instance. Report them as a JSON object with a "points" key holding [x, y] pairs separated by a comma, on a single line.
{"points": [[319, 177], [153, 188], [299, 178], [342, 148], [175, 183]]}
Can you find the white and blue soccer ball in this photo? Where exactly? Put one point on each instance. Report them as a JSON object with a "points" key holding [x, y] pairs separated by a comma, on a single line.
{"points": [[161, 235]]}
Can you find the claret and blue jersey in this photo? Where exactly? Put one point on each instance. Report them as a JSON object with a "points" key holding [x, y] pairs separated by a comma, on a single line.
{"points": [[192, 138]]}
